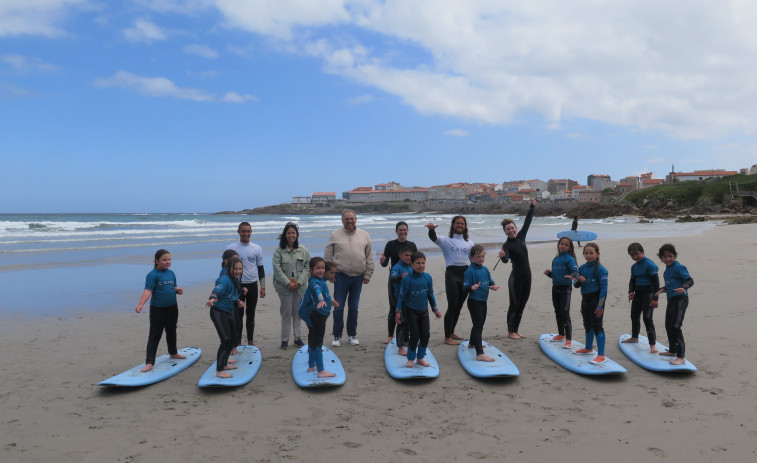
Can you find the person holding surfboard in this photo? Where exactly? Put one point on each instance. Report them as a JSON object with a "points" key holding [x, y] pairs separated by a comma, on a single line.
{"points": [[456, 249], [314, 310], [643, 291], [224, 299], [574, 227], [564, 270], [477, 282], [677, 283], [416, 291], [391, 257], [592, 279], [519, 283], [161, 290]]}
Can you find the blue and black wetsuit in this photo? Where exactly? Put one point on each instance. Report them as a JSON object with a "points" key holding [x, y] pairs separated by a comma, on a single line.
{"points": [[644, 284], [227, 293], [164, 312], [416, 292], [315, 318], [391, 252], [593, 297], [477, 302], [395, 279], [676, 276], [562, 266]]}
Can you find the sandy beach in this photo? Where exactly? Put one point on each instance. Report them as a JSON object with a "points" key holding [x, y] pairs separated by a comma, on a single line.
{"points": [[53, 410]]}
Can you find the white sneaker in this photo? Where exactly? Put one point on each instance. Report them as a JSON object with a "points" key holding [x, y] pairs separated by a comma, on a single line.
{"points": [[336, 342], [353, 341]]}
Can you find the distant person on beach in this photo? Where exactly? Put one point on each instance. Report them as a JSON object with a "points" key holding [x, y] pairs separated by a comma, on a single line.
{"points": [[161, 290], [477, 281], [564, 270], [351, 250], [223, 301], [390, 257], [314, 310], [592, 279], [574, 227], [252, 260], [400, 271], [290, 278], [519, 283], [677, 284], [416, 291], [643, 294], [456, 249]]}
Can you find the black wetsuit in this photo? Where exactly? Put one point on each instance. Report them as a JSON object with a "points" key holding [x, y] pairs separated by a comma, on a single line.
{"points": [[391, 252], [519, 284], [641, 307]]}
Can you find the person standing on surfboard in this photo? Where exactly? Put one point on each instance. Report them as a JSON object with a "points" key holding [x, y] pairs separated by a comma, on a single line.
{"points": [[519, 283], [224, 299], [456, 249], [643, 293], [252, 260], [574, 227], [592, 279], [399, 271], [391, 257], [564, 271], [477, 281], [351, 250], [677, 283], [314, 310], [161, 289]]}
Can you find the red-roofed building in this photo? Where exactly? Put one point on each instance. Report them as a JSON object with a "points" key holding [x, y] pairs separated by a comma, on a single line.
{"points": [[699, 175], [650, 182], [323, 197]]}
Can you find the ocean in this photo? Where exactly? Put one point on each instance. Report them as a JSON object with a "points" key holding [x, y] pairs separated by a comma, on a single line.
{"points": [[57, 263]]}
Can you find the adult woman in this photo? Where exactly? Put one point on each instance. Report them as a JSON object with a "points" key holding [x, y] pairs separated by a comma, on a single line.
{"points": [[391, 255], [519, 284], [290, 279]]}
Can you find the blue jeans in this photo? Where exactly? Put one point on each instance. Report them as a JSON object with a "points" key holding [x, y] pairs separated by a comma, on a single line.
{"points": [[346, 285]]}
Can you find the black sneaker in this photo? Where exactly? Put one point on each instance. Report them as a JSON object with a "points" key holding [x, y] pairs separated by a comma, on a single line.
{"points": [[284, 344], [299, 342]]}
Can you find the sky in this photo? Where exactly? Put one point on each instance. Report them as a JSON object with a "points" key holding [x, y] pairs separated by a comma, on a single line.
{"points": [[211, 105]]}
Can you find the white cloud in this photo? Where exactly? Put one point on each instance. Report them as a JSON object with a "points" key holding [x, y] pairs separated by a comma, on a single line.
{"points": [[641, 64], [203, 51], [361, 99], [9, 90], [456, 133], [34, 17], [144, 31], [161, 87], [27, 63]]}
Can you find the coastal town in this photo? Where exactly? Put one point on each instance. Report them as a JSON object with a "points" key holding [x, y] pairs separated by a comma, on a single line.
{"points": [[599, 188]]}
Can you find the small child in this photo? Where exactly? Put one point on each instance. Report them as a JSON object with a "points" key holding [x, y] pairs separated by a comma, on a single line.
{"points": [[314, 310], [478, 281], [677, 283], [592, 279], [222, 302], [564, 271], [161, 289], [331, 276], [228, 254], [400, 270], [643, 293], [416, 291]]}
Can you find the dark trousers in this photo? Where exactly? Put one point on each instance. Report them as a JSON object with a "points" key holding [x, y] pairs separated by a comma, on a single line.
{"points": [[403, 333], [420, 331], [453, 284], [561, 303], [347, 291], [250, 301], [315, 339], [519, 288], [390, 319], [641, 307], [162, 318], [477, 311], [224, 323], [674, 322]]}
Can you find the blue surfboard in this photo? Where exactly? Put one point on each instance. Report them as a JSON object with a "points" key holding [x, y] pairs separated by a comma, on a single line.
{"points": [[395, 364], [164, 368], [580, 364], [640, 355], [501, 366], [331, 363], [248, 364], [580, 235]]}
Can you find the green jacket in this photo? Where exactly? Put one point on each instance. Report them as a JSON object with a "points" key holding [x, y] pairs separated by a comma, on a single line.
{"points": [[286, 262]]}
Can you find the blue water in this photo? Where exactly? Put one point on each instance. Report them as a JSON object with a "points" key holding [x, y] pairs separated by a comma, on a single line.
{"points": [[50, 263]]}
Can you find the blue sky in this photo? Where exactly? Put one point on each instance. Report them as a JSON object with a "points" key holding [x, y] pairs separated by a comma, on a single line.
{"points": [[209, 105]]}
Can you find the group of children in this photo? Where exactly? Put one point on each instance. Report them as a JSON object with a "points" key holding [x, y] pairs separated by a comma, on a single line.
{"points": [[415, 291]]}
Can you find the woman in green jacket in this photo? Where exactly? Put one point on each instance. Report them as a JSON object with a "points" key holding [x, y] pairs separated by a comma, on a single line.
{"points": [[290, 278]]}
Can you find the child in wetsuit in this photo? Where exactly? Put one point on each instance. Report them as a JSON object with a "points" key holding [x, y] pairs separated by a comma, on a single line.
{"points": [[592, 279], [161, 289], [564, 271], [677, 283], [416, 291], [399, 271], [477, 281], [643, 292], [222, 302], [314, 310]]}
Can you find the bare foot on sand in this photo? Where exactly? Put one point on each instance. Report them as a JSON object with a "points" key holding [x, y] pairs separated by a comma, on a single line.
{"points": [[450, 341], [178, 356], [223, 374], [388, 340], [630, 341], [521, 336], [454, 336], [146, 368], [678, 361], [423, 362], [513, 335], [326, 374], [484, 358]]}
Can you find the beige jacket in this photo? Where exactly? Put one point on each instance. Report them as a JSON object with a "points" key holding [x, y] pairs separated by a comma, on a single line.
{"points": [[351, 252]]}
